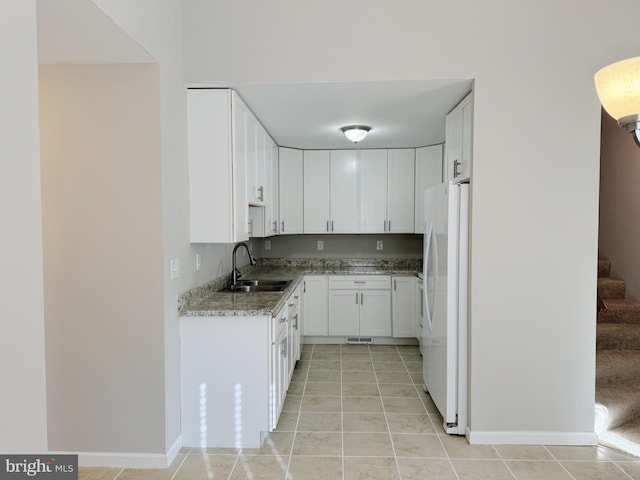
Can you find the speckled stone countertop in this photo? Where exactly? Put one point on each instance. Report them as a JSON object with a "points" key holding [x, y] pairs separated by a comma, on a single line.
{"points": [[210, 300]]}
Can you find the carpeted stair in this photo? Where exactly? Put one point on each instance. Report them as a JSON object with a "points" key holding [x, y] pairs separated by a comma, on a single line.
{"points": [[617, 366]]}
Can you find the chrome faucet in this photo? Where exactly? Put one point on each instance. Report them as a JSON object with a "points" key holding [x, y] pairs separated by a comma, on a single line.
{"points": [[235, 272]]}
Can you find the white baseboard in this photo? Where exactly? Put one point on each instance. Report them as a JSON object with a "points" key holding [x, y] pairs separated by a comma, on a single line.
{"points": [[531, 438], [128, 460]]}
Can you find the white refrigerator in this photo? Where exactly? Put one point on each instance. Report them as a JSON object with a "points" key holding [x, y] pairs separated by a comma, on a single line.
{"points": [[446, 292]]}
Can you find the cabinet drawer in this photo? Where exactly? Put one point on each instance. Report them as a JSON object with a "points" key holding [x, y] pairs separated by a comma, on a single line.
{"points": [[360, 282], [294, 299]]}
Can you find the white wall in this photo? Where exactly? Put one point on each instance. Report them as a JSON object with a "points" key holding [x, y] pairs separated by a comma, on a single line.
{"points": [[102, 235], [535, 170], [620, 204], [22, 361]]}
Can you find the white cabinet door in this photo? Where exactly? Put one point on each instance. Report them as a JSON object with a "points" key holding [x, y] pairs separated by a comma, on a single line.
{"points": [[401, 173], [344, 191], [344, 312], [316, 191], [291, 193], [315, 316], [373, 191], [375, 313], [272, 225], [403, 301], [459, 137], [217, 166], [428, 173]]}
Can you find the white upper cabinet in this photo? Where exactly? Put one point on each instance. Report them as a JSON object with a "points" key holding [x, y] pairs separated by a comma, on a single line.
{"points": [[387, 190], [316, 191], [373, 191], [344, 191], [400, 185], [216, 140], [291, 199], [428, 173], [459, 141]]}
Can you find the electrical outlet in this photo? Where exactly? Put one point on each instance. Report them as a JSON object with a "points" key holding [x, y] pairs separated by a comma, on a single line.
{"points": [[320, 245], [175, 268], [379, 245], [267, 244], [198, 261]]}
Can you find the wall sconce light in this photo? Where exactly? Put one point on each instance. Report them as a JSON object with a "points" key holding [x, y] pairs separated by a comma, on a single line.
{"points": [[618, 87], [355, 133]]}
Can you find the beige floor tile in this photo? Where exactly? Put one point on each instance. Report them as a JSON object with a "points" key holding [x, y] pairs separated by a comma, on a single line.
{"points": [[325, 365], [425, 468], [382, 348], [263, 467], [389, 366], [367, 444], [292, 403], [417, 378], [632, 468], [274, 443], [427, 401], [364, 422], [593, 470], [437, 422], [397, 390], [315, 468], [321, 404], [360, 390], [370, 468], [355, 356], [318, 443], [302, 364], [403, 405], [214, 451], [577, 453], [402, 423], [299, 375], [358, 377], [327, 347], [287, 422], [537, 470], [306, 347], [394, 377], [385, 356], [323, 376], [353, 366], [305, 354], [98, 473], [413, 366], [458, 447], [197, 466], [417, 445], [362, 404], [152, 473], [320, 422], [348, 348], [323, 388], [296, 388], [408, 349], [481, 470], [523, 452]]}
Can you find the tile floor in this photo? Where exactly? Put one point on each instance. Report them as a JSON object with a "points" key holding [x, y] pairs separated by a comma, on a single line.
{"points": [[357, 412]]}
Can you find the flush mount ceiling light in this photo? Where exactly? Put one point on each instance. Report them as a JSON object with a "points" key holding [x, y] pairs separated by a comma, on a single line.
{"points": [[355, 133], [618, 87]]}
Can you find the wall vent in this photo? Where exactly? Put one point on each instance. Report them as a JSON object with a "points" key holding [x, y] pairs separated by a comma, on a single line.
{"points": [[362, 340]]}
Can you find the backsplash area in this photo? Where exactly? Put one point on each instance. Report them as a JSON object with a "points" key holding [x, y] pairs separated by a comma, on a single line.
{"points": [[340, 246]]}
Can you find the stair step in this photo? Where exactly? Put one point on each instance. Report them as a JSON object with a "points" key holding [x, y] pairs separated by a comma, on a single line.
{"points": [[618, 336], [625, 438], [611, 288], [621, 402], [604, 267], [614, 366], [620, 311]]}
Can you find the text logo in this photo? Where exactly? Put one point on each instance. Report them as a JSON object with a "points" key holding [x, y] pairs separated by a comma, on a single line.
{"points": [[50, 467]]}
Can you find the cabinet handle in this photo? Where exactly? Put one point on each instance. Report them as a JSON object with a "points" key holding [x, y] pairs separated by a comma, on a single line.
{"points": [[304, 287], [389, 225], [395, 285], [261, 193], [295, 325], [456, 164], [327, 225], [296, 297], [332, 225], [275, 226], [251, 228], [360, 281], [283, 319], [282, 229], [362, 299], [356, 298]]}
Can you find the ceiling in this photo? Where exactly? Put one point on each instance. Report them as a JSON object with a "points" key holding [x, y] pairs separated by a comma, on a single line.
{"points": [[401, 113]]}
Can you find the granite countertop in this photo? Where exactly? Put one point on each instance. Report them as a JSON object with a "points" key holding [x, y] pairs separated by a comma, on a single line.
{"points": [[210, 300]]}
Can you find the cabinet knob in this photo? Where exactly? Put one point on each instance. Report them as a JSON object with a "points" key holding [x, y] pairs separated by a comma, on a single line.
{"points": [[456, 166]]}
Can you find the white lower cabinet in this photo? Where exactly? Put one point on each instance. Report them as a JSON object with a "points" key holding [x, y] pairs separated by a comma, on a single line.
{"points": [[403, 301], [234, 375], [360, 306], [315, 316]]}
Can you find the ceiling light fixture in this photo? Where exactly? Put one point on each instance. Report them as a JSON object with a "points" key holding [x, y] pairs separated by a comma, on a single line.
{"points": [[618, 87], [355, 133]]}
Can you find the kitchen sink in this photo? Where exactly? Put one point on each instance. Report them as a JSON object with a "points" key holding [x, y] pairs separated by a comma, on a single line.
{"points": [[248, 286]]}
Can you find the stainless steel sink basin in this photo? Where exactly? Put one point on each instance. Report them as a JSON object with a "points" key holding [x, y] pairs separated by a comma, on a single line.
{"points": [[248, 286]]}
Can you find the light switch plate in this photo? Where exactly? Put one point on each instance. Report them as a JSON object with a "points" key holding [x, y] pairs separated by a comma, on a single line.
{"points": [[320, 245], [175, 268], [379, 245]]}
